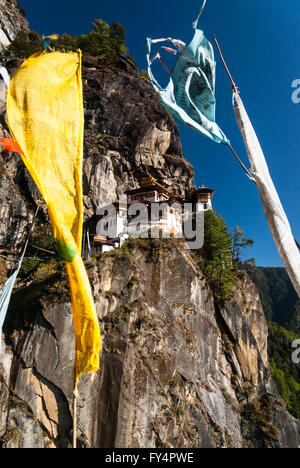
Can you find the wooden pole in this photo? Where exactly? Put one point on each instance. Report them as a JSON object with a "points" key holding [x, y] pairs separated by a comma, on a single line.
{"points": [[234, 87], [235, 90], [75, 419]]}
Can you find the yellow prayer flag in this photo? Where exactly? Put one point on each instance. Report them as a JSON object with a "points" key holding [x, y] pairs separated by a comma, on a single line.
{"points": [[45, 117]]}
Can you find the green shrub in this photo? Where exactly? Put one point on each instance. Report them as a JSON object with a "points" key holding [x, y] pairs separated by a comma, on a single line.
{"points": [[29, 266], [25, 44], [216, 258], [102, 40], [285, 373], [3, 271], [145, 74], [257, 420]]}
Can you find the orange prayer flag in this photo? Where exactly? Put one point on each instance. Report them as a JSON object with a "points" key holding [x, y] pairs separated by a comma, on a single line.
{"points": [[11, 145]]}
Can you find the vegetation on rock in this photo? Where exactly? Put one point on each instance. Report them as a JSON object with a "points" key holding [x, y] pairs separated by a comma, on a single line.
{"points": [[257, 421], [282, 310], [285, 373], [216, 258], [102, 40]]}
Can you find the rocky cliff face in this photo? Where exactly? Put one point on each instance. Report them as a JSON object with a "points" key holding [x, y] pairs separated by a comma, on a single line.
{"points": [[128, 134], [12, 201], [177, 369], [11, 22]]}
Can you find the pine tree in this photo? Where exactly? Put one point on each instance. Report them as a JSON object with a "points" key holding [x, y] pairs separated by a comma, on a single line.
{"points": [[102, 40], [240, 242], [25, 44], [217, 259]]}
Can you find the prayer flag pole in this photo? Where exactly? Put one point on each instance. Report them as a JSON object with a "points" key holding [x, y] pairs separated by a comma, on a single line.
{"points": [[279, 225]]}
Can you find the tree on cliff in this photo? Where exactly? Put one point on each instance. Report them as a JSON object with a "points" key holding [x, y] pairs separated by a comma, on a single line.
{"points": [[102, 40], [24, 45], [216, 257], [285, 373], [240, 243]]}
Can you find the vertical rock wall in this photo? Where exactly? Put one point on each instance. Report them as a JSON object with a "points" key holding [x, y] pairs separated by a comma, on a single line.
{"points": [[176, 370], [11, 22]]}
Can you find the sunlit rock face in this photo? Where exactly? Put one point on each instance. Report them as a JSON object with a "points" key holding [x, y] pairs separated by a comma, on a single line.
{"points": [[128, 134], [11, 22], [177, 368]]}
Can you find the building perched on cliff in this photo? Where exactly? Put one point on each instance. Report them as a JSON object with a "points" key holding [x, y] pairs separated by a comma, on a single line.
{"points": [[178, 369], [149, 207]]}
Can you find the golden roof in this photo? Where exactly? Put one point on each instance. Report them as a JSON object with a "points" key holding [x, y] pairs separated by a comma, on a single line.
{"points": [[148, 181], [204, 190]]}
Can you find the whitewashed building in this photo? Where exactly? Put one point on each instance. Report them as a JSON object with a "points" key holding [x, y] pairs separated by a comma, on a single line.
{"points": [[202, 197], [149, 207]]}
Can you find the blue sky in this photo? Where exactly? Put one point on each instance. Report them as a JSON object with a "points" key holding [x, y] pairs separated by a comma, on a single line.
{"points": [[261, 43]]}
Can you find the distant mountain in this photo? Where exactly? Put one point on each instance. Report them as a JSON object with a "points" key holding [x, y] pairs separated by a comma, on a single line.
{"points": [[285, 373], [282, 309], [280, 301]]}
